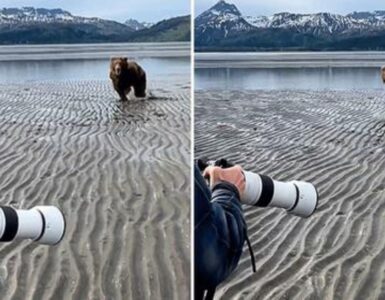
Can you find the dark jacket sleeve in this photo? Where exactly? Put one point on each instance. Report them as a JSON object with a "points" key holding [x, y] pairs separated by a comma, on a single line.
{"points": [[220, 232]]}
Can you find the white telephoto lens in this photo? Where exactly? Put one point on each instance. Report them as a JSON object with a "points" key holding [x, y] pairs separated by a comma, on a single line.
{"points": [[30, 224], [253, 188], [43, 224], [54, 225], [307, 199], [297, 197], [284, 196]]}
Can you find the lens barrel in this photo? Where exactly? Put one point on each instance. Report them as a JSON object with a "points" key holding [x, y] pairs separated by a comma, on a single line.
{"points": [[297, 197], [42, 224]]}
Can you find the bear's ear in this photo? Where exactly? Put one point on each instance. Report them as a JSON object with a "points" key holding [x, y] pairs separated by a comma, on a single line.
{"points": [[125, 59]]}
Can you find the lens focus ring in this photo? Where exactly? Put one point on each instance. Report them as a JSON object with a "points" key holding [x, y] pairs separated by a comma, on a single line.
{"points": [[267, 191], [11, 224]]}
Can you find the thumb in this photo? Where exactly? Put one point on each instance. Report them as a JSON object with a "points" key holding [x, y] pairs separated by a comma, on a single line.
{"points": [[209, 173]]}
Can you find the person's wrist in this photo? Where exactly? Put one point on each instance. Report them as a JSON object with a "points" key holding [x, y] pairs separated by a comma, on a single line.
{"points": [[228, 186]]}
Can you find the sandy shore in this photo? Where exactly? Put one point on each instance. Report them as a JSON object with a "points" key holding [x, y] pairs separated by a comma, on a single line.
{"points": [[335, 140], [120, 171]]}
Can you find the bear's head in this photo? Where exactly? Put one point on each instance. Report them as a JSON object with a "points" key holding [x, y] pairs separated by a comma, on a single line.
{"points": [[118, 64]]}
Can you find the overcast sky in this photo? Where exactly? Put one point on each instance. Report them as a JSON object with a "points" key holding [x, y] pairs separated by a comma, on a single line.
{"points": [[269, 7], [119, 10]]}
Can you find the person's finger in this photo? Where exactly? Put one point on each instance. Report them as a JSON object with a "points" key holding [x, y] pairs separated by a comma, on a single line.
{"points": [[206, 172], [210, 173]]}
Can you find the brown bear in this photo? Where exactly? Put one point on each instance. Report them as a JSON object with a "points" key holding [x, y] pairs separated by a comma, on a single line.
{"points": [[125, 75], [383, 73]]}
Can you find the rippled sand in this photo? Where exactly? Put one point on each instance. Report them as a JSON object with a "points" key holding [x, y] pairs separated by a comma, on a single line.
{"points": [[120, 172], [335, 140]]}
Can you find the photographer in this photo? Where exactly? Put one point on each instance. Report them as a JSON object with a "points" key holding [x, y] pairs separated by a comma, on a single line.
{"points": [[220, 228]]}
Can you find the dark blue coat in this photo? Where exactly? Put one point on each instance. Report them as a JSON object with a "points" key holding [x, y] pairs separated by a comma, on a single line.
{"points": [[220, 233]]}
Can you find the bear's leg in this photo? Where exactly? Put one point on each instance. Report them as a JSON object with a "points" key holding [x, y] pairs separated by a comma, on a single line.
{"points": [[127, 91], [140, 93], [123, 96], [120, 92], [140, 90]]}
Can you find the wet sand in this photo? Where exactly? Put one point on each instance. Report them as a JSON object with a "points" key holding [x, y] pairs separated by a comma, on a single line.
{"points": [[120, 172], [335, 139]]}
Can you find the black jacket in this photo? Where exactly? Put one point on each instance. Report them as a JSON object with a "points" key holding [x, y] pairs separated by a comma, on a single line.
{"points": [[220, 233]]}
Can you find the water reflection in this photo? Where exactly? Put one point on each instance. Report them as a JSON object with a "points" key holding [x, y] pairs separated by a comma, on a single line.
{"points": [[61, 70], [289, 78]]}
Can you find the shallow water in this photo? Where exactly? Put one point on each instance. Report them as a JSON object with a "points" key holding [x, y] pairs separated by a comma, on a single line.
{"points": [[326, 78], [85, 69]]}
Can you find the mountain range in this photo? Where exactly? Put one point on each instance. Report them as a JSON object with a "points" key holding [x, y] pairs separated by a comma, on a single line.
{"points": [[29, 25], [136, 25], [223, 27]]}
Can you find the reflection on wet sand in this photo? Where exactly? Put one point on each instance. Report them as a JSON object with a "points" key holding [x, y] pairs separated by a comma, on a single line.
{"points": [[288, 78]]}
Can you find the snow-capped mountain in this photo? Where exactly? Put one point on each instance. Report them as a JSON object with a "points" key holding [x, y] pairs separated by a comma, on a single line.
{"points": [[29, 25], [40, 15], [227, 15], [320, 23], [136, 25], [222, 17], [376, 17], [224, 22]]}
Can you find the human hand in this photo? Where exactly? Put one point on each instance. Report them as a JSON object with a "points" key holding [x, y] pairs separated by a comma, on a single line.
{"points": [[233, 175]]}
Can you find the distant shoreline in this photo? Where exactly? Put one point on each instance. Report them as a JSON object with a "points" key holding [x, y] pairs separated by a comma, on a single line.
{"points": [[93, 51], [289, 59]]}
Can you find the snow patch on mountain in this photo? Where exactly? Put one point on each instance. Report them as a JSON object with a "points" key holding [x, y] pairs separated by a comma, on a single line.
{"points": [[227, 18], [136, 25], [40, 15], [321, 22]]}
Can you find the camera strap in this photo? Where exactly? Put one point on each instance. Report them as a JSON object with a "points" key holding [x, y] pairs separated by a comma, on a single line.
{"points": [[251, 253]]}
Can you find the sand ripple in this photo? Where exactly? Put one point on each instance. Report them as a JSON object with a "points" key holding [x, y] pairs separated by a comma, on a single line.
{"points": [[335, 139], [120, 171]]}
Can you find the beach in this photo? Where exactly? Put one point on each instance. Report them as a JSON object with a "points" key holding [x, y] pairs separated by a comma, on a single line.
{"points": [[334, 139], [121, 174]]}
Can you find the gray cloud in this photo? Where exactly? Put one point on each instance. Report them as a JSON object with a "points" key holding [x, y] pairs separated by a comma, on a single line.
{"points": [[120, 10], [263, 7]]}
